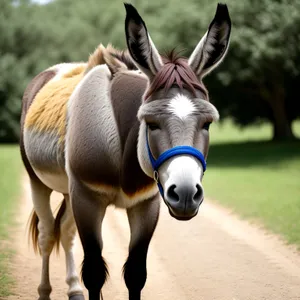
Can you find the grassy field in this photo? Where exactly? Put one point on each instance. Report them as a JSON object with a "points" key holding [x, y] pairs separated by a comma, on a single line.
{"points": [[258, 179], [10, 167]]}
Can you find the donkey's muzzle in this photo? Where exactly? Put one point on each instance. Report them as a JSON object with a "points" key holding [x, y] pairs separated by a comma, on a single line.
{"points": [[184, 201]]}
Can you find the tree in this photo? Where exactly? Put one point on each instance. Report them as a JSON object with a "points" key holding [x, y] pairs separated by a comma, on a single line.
{"points": [[256, 82], [260, 75]]}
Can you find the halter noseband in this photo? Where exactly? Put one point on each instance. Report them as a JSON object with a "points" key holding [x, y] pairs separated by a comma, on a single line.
{"points": [[178, 150]]}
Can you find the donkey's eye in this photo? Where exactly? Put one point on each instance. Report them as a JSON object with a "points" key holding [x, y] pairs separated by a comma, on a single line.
{"points": [[153, 126], [206, 125]]}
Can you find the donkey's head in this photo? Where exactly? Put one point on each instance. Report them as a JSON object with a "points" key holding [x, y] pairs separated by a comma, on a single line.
{"points": [[175, 113]]}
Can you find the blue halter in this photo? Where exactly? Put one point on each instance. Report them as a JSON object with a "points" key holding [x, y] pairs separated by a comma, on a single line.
{"points": [[178, 150]]}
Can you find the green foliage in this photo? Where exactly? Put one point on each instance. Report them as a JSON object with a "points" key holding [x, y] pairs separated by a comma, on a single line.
{"points": [[262, 63], [259, 77]]}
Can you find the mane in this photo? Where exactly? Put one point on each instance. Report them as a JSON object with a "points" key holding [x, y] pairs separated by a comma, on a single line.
{"points": [[98, 57], [175, 72], [123, 56]]}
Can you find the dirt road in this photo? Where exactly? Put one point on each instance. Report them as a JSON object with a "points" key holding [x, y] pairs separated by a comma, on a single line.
{"points": [[215, 256]]}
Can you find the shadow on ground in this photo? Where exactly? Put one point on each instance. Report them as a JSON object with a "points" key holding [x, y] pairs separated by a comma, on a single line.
{"points": [[262, 153]]}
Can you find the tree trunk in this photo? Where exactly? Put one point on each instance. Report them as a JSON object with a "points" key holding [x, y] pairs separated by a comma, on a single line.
{"points": [[282, 127]]}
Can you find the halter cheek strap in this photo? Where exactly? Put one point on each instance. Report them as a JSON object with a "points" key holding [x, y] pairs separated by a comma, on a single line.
{"points": [[178, 150]]}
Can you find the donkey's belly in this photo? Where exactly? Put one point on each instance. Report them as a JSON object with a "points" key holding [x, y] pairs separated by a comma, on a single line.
{"points": [[55, 181], [45, 152]]}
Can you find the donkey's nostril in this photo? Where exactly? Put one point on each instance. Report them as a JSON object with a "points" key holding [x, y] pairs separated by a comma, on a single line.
{"points": [[172, 195], [199, 194]]}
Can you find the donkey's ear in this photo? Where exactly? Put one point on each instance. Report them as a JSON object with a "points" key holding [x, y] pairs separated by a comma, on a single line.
{"points": [[213, 46], [140, 45]]}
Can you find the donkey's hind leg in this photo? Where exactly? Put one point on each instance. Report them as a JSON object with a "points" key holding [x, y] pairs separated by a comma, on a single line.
{"points": [[68, 231], [142, 220], [45, 230]]}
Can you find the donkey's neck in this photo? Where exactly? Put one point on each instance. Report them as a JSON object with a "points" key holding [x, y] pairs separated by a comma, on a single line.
{"points": [[127, 90]]}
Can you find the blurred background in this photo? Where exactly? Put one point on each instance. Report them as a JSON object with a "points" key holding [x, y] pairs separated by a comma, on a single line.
{"points": [[257, 83], [254, 160]]}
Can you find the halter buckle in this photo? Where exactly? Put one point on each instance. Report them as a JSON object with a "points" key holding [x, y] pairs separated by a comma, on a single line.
{"points": [[155, 176]]}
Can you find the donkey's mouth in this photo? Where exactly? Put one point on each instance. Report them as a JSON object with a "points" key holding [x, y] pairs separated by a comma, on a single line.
{"points": [[183, 215], [187, 218]]}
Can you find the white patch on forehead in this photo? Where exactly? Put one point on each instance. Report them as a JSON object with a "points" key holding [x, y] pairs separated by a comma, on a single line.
{"points": [[181, 106]]}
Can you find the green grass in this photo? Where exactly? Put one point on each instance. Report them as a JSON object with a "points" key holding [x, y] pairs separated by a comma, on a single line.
{"points": [[10, 172], [258, 179]]}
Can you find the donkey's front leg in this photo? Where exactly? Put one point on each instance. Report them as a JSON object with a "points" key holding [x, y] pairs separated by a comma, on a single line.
{"points": [[89, 212], [142, 220]]}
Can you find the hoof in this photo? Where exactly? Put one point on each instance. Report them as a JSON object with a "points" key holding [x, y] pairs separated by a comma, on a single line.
{"points": [[76, 297]]}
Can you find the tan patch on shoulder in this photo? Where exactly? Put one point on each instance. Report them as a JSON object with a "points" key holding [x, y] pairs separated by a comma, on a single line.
{"points": [[49, 108], [78, 70]]}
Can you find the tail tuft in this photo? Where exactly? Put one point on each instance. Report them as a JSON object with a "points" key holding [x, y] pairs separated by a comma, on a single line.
{"points": [[34, 231], [57, 222]]}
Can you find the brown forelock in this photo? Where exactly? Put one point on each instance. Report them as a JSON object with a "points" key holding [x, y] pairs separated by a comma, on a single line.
{"points": [[32, 89], [175, 72], [126, 96]]}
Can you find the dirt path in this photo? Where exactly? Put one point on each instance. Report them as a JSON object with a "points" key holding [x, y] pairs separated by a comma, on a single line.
{"points": [[213, 257]]}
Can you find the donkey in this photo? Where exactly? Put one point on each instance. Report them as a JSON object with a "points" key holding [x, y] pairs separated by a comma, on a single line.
{"points": [[125, 129]]}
